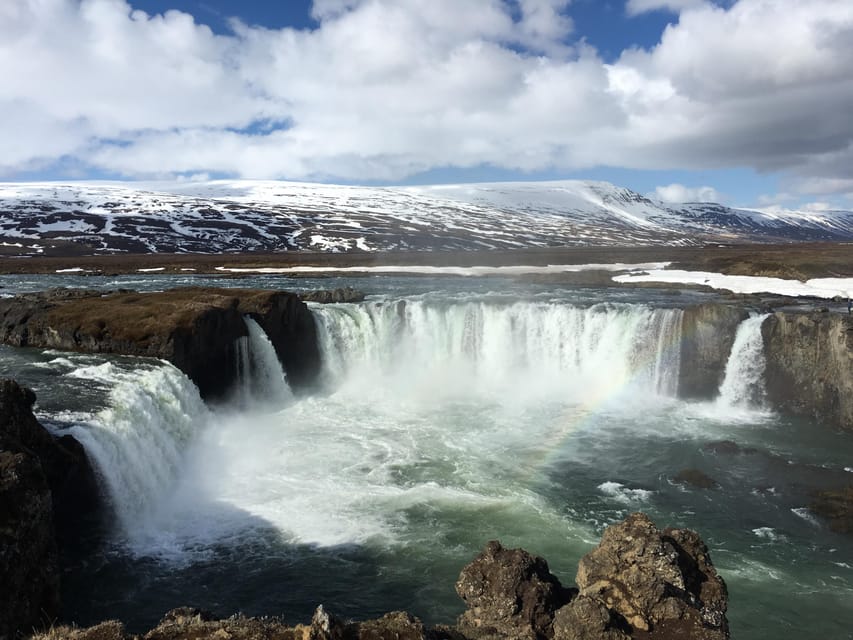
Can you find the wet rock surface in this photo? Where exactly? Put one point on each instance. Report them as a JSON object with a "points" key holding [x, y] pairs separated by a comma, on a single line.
{"points": [[835, 506], [810, 365], [708, 333], [195, 329], [695, 478], [509, 593]]}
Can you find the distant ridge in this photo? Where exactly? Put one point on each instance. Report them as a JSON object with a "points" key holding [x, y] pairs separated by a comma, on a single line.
{"points": [[267, 216]]}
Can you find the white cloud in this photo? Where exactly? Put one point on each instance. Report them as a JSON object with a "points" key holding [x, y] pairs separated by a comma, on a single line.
{"points": [[678, 193], [382, 89], [636, 7]]}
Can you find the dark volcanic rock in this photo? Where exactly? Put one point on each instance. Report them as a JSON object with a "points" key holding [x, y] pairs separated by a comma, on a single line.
{"points": [[586, 618], [509, 593], [708, 333], [695, 478], [29, 571], [343, 294], [69, 474], [196, 329], [660, 582], [810, 365], [837, 507], [727, 447]]}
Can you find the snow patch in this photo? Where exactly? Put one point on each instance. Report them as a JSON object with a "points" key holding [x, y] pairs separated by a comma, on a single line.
{"points": [[817, 287]]}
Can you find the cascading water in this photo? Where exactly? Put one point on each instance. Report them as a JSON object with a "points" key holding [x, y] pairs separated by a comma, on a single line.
{"points": [[138, 442], [261, 378], [519, 348], [743, 383], [445, 422]]}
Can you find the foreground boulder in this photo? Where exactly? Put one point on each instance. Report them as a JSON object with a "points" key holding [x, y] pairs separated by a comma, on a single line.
{"points": [[510, 593], [661, 582], [639, 581], [196, 329]]}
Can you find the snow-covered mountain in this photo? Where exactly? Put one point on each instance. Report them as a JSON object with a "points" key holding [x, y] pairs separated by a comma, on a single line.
{"points": [[232, 216]]}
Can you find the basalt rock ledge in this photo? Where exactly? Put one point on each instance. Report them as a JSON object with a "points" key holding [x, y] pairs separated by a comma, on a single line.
{"points": [[196, 329]]}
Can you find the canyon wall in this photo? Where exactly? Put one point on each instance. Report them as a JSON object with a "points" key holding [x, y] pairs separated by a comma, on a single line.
{"points": [[810, 365]]}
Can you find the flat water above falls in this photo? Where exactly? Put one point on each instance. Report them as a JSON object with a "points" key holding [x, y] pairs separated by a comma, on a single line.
{"points": [[371, 496]]}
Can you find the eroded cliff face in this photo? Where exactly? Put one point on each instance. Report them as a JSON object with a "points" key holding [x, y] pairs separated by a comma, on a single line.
{"points": [[195, 329], [810, 365], [707, 335], [42, 482]]}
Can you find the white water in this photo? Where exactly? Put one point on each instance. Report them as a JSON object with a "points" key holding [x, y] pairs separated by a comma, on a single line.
{"points": [[259, 371], [519, 352], [743, 384], [139, 441], [425, 400]]}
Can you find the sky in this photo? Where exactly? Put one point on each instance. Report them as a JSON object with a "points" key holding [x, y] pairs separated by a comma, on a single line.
{"points": [[744, 102]]}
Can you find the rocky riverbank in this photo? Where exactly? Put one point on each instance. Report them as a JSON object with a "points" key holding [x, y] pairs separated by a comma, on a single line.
{"points": [[640, 582]]}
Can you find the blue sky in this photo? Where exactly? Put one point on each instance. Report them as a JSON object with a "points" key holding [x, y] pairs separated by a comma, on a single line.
{"points": [[743, 101]]}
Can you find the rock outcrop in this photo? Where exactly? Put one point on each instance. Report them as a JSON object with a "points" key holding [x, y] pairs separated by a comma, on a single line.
{"points": [[194, 328], [193, 624], [836, 506], [76, 501], [707, 335], [661, 582], [29, 569], [510, 594], [695, 478], [810, 365], [330, 296], [640, 582]]}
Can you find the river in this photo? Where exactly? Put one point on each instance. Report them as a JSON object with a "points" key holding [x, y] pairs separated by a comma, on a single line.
{"points": [[451, 411]]}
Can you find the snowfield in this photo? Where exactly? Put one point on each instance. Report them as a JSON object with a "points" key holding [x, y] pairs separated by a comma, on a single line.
{"points": [[268, 216]]}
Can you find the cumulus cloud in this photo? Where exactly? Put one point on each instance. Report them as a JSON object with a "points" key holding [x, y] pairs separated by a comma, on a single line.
{"points": [[383, 89], [636, 7], [678, 193]]}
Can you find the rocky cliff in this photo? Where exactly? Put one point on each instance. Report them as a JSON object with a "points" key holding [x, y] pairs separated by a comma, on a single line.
{"points": [[707, 334], [193, 328], [810, 365], [640, 582], [46, 487]]}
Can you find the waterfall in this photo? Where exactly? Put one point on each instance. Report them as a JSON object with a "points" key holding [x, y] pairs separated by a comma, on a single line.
{"points": [[743, 384], [502, 348], [137, 443], [259, 371]]}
